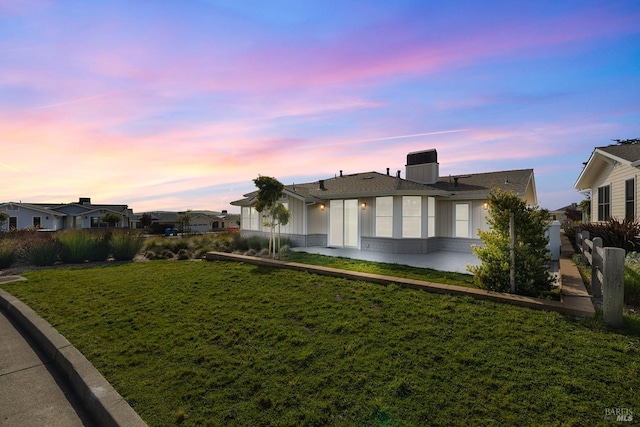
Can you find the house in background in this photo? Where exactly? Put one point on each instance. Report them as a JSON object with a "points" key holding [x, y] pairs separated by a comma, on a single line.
{"points": [[58, 216], [373, 211], [610, 177], [202, 221]]}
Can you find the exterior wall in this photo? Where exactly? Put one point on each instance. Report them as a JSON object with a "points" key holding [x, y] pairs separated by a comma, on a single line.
{"points": [[25, 216], [200, 224], [616, 177], [318, 219], [445, 217]]}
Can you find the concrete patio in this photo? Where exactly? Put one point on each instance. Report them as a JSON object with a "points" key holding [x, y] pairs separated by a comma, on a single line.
{"points": [[439, 260]]}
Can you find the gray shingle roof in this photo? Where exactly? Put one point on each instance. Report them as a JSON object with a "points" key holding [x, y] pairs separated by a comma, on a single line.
{"points": [[377, 184], [628, 152]]}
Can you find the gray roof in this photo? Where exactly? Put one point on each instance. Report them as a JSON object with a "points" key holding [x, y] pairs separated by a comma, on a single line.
{"points": [[377, 184], [628, 152]]}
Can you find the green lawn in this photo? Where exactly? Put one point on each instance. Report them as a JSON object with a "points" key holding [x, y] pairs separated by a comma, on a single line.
{"points": [[387, 269], [220, 343]]}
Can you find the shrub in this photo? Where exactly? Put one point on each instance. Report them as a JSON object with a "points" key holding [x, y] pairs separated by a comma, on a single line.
{"points": [[632, 280], [41, 252], [79, 246], [623, 234], [125, 246], [531, 255], [7, 253]]}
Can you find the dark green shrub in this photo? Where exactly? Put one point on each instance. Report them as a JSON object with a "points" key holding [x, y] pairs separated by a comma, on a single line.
{"points": [[80, 246], [623, 234], [531, 254], [41, 252], [7, 253], [125, 246]]}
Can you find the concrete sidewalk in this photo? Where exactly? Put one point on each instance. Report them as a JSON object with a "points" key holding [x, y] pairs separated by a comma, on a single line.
{"points": [[46, 381], [31, 392]]}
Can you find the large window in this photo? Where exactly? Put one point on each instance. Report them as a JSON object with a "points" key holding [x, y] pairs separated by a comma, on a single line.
{"points": [[431, 217], [250, 218], [463, 223], [411, 216], [604, 203], [630, 199], [37, 221], [384, 216]]}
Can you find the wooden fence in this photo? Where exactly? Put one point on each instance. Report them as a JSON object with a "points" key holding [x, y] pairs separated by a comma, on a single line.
{"points": [[607, 275]]}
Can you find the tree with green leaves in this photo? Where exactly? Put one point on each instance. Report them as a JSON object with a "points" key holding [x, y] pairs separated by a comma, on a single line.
{"points": [[4, 217], [183, 220], [282, 216], [269, 192], [532, 257], [111, 219]]}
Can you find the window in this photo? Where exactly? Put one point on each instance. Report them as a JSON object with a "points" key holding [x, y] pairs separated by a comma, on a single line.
{"points": [[384, 216], [255, 219], [13, 223], [462, 221], [604, 203], [37, 221], [431, 217], [630, 199], [250, 219], [411, 216]]}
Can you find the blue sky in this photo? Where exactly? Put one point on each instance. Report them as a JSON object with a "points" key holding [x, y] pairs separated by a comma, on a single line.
{"points": [[168, 105]]}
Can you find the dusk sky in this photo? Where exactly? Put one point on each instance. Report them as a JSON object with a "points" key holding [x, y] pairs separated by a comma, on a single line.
{"points": [[176, 105]]}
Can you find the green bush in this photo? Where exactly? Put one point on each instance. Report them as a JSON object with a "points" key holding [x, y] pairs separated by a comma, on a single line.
{"points": [[41, 252], [80, 246], [531, 254], [125, 246], [632, 281], [7, 253]]}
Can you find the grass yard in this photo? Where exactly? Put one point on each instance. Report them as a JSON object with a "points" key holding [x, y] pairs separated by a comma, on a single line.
{"points": [[387, 269], [220, 343]]}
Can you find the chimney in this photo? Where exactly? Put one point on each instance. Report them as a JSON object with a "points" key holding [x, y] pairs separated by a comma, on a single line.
{"points": [[321, 182], [387, 171], [340, 173], [423, 166], [398, 174], [84, 201]]}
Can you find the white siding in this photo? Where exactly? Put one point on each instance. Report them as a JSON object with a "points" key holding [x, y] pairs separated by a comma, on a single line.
{"points": [[616, 177]]}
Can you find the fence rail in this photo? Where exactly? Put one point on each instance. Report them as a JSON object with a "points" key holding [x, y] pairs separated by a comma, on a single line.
{"points": [[607, 275]]}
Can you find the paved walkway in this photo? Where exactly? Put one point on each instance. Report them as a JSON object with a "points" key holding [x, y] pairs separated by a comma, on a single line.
{"points": [[45, 381], [31, 392]]}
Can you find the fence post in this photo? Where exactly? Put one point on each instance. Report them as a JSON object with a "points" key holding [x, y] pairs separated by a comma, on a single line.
{"points": [[584, 248], [596, 265], [613, 298], [578, 237]]}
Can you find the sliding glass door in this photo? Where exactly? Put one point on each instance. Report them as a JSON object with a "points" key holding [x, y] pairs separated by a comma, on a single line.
{"points": [[343, 223]]}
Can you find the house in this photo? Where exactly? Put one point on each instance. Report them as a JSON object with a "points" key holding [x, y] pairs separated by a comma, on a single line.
{"points": [[201, 221], [560, 215], [58, 216], [374, 211], [610, 178]]}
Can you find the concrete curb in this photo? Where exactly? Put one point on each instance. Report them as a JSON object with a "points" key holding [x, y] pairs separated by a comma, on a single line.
{"points": [[99, 398], [566, 306]]}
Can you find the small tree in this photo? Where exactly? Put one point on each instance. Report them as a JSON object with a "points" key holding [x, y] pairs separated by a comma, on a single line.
{"points": [[282, 216], [3, 218], [532, 257], [146, 220], [269, 191], [111, 219], [183, 221]]}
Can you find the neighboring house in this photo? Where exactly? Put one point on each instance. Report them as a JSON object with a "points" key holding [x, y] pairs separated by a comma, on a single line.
{"points": [[561, 214], [373, 211], [610, 178], [58, 216], [201, 221]]}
